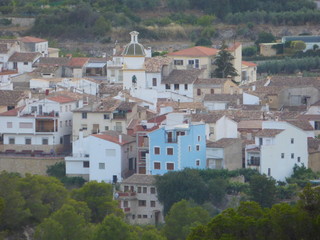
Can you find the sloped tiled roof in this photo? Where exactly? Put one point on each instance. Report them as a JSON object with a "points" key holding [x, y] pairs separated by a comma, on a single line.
{"points": [[155, 64], [310, 117], [11, 98], [113, 136], [24, 56], [56, 61], [249, 64], [197, 51], [61, 99], [223, 98], [77, 62], [250, 124], [142, 179], [12, 112], [29, 39], [182, 76], [268, 132], [222, 143], [210, 81], [302, 124]]}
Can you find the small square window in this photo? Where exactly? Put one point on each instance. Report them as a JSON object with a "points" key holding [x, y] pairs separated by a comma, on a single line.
{"points": [[139, 215], [145, 216], [106, 116], [156, 165], [142, 203], [186, 87], [11, 141], [86, 164], [169, 151], [45, 141], [198, 147], [170, 166], [152, 203], [144, 189], [102, 165], [156, 150], [176, 86], [28, 141], [25, 63], [84, 115], [106, 128], [197, 162], [167, 86], [152, 190], [282, 155]]}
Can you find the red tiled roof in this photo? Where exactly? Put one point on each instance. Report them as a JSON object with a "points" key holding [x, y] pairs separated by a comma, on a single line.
{"points": [[29, 39], [24, 56], [77, 62], [61, 99], [9, 72], [113, 136], [12, 112], [249, 64], [158, 119], [197, 51]]}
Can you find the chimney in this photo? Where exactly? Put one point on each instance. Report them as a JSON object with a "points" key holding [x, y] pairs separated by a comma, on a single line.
{"points": [[120, 138]]}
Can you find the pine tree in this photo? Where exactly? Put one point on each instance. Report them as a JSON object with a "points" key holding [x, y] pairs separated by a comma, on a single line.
{"points": [[224, 66]]}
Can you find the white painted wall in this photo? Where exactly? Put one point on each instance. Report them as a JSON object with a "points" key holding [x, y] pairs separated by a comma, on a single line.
{"points": [[249, 99], [226, 128]]}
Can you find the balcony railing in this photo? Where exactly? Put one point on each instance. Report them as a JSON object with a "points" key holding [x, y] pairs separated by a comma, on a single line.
{"points": [[119, 116]]}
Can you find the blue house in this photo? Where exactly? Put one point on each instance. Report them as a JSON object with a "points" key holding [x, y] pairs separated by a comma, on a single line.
{"points": [[175, 148]]}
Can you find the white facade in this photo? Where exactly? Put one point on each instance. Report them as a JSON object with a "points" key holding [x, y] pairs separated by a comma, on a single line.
{"points": [[249, 99], [226, 128], [278, 154], [98, 159]]}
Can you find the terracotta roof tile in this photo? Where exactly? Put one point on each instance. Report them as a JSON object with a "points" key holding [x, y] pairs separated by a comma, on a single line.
{"points": [[24, 56], [142, 179], [210, 81], [61, 99], [12, 112], [56, 61], [29, 39], [223, 142], [249, 64], [249, 124], [310, 117], [197, 51], [155, 64], [182, 76], [233, 98], [302, 124], [77, 62], [11, 98], [268, 132], [113, 136]]}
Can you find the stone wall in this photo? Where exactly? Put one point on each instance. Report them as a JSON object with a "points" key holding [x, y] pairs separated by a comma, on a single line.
{"points": [[23, 22], [23, 165]]}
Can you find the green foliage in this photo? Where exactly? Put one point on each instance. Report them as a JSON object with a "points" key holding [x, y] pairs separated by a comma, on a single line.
{"points": [[114, 228], [265, 37], [301, 175], [205, 20], [310, 200], [263, 190], [5, 21], [298, 45], [181, 218], [217, 189], [203, 42], [224, 66], [98, 197], [249, 51], [66, 223], [287, 191]]}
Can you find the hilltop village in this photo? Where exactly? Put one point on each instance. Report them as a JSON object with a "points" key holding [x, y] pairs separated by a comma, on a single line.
{"points": [[129, 116]]}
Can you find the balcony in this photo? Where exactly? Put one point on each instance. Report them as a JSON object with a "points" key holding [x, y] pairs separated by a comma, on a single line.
{"points": [[253, 161], [126, 210], [119, 116]]}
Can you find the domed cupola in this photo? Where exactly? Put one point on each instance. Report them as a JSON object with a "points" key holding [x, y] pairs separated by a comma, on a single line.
{"points": [[134, 48]]}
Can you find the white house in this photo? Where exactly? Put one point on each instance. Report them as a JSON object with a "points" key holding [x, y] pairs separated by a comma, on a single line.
{"points": [[277, 148], [43, 125], [33, 44], [102, 157], [23, 61]]}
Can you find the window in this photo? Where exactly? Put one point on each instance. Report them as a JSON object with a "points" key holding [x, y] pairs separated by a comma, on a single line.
{"points": [[189, 148], [317, 125], [176, 86], [34, 109], [186, 87], [152, 203], [144, 189], [25, 63], [299, 159], [106, 116], [199, 138], [139, 215], [86, 164], [9, 124], [110, 152], [191, 62], [66, 108], [154, 82], [133, 216], [178, 62], [292, 140], [106, 128], [212, 91], [156, 165], [167, 86], [25, 125], [61, 124], [197, 162], [169, 151], [156, 150], [145, 216], [152, 190], [66, 123], [282, 155], [139, 190], [269, 171], [142, 203], [84, 115], [125, 204], [61, 140], [102, 165], [198, 147], [292, 155], [11, 140], [126, 188], [260, 141], [70, 123], [198, 92], [170, 166], [28, 141], [45, 141]]}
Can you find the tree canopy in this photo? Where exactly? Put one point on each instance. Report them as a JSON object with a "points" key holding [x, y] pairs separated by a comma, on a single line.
{"points": [[224, 65]]}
